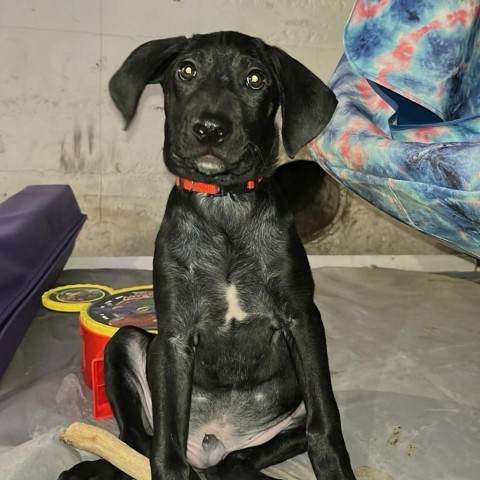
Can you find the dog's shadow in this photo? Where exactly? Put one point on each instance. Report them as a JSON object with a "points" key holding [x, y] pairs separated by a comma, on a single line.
{"points": [[312, 196]]}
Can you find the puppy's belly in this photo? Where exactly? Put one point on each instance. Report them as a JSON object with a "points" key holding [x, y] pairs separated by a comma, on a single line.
{"points": [[209, 443]]}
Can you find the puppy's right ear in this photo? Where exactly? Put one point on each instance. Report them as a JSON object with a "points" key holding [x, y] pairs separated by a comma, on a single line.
{"points": [[146, 64]]}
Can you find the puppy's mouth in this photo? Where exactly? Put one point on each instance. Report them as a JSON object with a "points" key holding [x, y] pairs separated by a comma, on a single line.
{"points": [[209, 165]]}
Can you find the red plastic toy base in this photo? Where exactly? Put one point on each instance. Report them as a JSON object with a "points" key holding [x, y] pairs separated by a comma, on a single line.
{"points": [[93, 346]]}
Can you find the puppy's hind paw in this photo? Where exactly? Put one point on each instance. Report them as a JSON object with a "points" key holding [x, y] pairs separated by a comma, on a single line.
{"points": [[235, 470], [95, 470]]}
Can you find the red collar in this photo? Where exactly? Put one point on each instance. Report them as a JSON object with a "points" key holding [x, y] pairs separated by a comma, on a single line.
{"points": [[212, 189]]}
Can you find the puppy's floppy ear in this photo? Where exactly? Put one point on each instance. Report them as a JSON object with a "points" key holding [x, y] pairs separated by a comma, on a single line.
{"points": [[146, 64], [307, 103]]}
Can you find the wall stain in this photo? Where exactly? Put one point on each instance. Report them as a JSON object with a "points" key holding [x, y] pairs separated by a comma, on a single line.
{"points": [[77, 151], [77, 144], [90, 139]]}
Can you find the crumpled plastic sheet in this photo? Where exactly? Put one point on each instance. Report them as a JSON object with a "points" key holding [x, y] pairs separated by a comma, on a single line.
{"points": [[404, 353]]}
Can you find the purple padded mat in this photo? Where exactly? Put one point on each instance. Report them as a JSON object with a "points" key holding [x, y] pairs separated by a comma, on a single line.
{"points": [[38, 228]]}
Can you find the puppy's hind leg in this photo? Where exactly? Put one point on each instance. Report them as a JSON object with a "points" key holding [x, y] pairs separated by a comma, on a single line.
{"points": [[127, 386], [129, 396], [246, 464]]}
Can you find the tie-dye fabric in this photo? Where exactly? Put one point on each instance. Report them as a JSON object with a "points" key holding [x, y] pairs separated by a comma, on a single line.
{"points": [[406, 132]]}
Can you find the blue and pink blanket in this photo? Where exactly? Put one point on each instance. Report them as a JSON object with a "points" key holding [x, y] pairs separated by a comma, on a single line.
{"points": [[406, 132]]}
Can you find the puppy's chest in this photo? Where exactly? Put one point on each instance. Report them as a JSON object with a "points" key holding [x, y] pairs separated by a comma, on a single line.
{"points": [[231, 282], [236, 293]]}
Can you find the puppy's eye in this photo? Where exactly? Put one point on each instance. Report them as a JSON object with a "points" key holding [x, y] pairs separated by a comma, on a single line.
{"points": [[255, 80], [186, 71]]}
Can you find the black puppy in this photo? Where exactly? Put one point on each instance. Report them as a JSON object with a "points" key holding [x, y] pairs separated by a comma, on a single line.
{"points": [[237, 378]]}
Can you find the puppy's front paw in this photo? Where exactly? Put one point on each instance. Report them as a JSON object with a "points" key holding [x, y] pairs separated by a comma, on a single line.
{"points": [[95, 470]]}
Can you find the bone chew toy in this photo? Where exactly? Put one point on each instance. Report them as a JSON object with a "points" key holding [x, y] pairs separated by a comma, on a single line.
{"points": [[102, 443]]}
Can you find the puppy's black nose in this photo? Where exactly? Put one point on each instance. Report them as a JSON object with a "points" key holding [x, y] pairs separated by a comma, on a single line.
{"points": [[212, 130]]}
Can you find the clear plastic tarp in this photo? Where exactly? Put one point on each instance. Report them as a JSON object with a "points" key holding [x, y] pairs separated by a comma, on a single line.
{"points": [[404, 353]]}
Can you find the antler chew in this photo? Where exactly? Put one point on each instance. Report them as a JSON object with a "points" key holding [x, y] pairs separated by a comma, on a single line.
{"points": [[102, 443]]}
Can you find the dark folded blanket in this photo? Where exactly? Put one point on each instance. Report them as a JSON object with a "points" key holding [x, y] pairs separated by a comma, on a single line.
{"points": [[38, 228]]}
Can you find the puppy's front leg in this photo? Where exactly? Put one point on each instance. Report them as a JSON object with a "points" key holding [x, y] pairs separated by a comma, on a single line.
{"points": [[326, 447], [170, 371]]}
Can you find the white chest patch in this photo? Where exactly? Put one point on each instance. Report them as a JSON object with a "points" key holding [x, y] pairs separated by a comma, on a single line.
{"points": [[234, 309]]}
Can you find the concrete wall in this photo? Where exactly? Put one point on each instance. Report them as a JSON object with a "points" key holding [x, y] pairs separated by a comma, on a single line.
{"points": [[58, 124]]}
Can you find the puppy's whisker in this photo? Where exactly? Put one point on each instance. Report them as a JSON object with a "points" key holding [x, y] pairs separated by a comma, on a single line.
{"points": [[256, 152]]}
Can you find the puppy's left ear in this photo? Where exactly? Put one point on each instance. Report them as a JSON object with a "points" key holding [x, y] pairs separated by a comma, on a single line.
{"points": [[307, 103]]}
